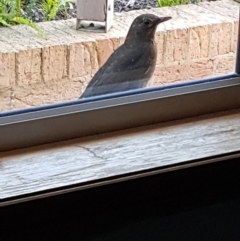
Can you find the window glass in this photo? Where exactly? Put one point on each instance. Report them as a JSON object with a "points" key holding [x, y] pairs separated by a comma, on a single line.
{"points": [[57, 51]]}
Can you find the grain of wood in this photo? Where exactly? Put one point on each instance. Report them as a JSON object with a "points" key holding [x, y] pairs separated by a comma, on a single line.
{"points": [[88, 159]]}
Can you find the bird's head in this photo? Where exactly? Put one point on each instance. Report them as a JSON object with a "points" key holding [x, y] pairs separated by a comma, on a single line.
{"points": [[144, 27]]}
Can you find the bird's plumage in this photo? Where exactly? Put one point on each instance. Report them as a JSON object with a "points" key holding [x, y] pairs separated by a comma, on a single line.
{"points": [[132, 64]]}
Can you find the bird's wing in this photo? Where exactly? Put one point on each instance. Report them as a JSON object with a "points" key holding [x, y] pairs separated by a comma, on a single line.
{"points": [[122, 61]]}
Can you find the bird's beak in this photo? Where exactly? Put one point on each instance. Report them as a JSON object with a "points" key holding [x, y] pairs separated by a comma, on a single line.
{"points": [[163, 19]]}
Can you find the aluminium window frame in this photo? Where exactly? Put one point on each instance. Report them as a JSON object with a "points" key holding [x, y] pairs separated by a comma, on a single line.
{"points": [[84, 117]]}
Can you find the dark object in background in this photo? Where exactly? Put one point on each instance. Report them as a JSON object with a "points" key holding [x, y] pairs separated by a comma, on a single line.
{"points": [[132, 65]]}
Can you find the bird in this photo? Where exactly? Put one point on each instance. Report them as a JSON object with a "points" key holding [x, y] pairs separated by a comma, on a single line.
{"points": [[132, 64]]}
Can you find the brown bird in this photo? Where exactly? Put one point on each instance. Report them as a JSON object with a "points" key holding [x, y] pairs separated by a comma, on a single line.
{"points": [[130, 66]]}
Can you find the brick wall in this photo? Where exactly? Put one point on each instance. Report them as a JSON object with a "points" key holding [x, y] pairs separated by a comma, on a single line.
{"points": [[199, 42]]}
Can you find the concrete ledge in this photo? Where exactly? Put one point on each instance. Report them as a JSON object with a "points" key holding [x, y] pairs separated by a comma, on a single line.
{"points": [[199, 42]]}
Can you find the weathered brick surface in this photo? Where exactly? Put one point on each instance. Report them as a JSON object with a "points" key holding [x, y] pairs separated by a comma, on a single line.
{"points": [[200, 41], [28, 55], [224, 64], [170, 74], [54, 54], [191, 32], [54, 63], [104, 43], [197, 69], [80, 59], [7, 66], [177, 35], [5, 99], [28, 67], [48, 93], [200, 69], [229, 11], [160, 40], [221, 28], [235, 37], [81, 53], [220, 39], [175, 46]]}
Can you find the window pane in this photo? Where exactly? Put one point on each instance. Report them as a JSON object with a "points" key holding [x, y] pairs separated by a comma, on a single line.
{"points": [[200, 41]]}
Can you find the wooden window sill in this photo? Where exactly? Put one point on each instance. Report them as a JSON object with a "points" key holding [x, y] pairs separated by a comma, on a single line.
{"points": [[51, 166]]}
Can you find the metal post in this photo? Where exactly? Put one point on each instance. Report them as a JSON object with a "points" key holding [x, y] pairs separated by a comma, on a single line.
{"points": [[96, 16]]}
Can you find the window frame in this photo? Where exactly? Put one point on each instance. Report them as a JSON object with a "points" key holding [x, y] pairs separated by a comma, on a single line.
{"points": [[84, 117]]}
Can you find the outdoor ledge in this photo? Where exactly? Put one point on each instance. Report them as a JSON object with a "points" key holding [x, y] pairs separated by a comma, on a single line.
{"points": [[91, 159], [200, 41]]}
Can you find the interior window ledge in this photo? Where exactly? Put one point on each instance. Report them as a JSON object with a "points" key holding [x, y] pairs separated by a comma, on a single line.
{"points": [[61, 164]]}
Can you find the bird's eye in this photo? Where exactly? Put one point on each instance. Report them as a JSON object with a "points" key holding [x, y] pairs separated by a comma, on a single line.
{"points": [[146, 22]]}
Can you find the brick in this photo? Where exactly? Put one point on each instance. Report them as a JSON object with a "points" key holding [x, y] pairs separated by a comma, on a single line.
{"points": [[54, 63], [194, 40], [104, 48], [40, 94], [172, 36], [82, 56], [224, 64], [28, 67], [221, 28], [198, 23], [175, 46], [7, 66], [170, 74], [201, 69], [230, 11], [105, 43], [159, 38], [28, 54], [5, 99], [220, 39], [199, 42], [235, 37], [54, 53]]}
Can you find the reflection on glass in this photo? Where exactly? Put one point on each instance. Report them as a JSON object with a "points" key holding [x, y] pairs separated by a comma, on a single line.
{"points": [[198, 42]]}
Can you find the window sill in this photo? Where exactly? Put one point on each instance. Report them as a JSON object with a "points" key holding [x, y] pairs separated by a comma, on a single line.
{"points": [[80, 161]]}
